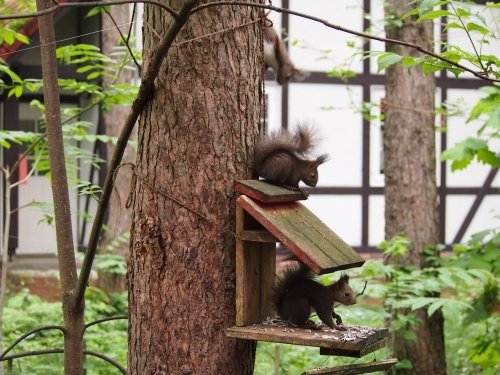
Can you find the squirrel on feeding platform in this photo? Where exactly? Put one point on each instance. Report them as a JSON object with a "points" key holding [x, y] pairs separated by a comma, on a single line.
{"points": [[296, 293], [280, 158], [276, 57]]}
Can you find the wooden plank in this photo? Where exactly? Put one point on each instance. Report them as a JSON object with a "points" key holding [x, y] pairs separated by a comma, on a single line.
{"points": [[267, 193], [359, 368], [258, 236], [267, 278], [304, 234], [358, 353], [247, 280], [348, 341], [318, 233]]}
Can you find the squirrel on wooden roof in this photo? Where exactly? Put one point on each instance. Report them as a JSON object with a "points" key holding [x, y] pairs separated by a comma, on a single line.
{"points": [[280, 158]]}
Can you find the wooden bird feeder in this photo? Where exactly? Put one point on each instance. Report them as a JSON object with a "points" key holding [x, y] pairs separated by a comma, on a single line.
{"points": [[266, 214]]}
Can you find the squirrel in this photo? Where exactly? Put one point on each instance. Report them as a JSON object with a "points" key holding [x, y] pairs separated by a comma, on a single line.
{"points": [[279, 158], [276, 57], [296, 293]]}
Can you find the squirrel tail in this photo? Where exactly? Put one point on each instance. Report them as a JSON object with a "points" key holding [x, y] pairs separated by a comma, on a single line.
{"points": [[300, 143], [290, 277]]}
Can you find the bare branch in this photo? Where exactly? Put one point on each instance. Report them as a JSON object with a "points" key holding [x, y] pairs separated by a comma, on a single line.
{"points": [[145, 92], [107, 359], [116, 317], [61, 351], [30, 173], [27, 334], [125, 40], [87, 4], [482, 75]]}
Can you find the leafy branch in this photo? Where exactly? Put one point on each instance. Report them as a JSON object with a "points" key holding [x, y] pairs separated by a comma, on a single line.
{"points": [[450, 62]]}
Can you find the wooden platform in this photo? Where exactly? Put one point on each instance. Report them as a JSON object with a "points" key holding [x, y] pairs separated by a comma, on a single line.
{"points": [[356, 341], [267, 193], [358, 368], [304, 234]]}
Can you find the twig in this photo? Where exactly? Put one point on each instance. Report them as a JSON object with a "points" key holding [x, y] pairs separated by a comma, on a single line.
{"points": [[468, 35], [482, 75], [166, 195], [145, 92], [125, 40], [27, 334], [116, 317], [359, 294], [58, 5]]}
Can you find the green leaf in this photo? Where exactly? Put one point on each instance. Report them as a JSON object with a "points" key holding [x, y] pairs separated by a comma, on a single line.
{"points": [[471, 26], [404, 364], [387, 59], [433, 307], [434, 14], [454, 25], [462, 153], [409, 335], [462, 13], [487, 156]]}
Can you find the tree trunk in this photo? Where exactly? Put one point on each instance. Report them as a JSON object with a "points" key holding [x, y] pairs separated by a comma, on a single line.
{"points": [[73, 314], [119, 217], [410, 176], [196, 136]]}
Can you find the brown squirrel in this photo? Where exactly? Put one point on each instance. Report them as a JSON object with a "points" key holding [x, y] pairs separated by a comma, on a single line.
{"points": [[279, 158], [276, 57], [296, 293]]}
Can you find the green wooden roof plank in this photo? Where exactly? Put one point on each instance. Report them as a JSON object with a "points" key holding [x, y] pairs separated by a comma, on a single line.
{"points": [[274, 224], [304, 234], [317, 232], [299, 227], [322, 237], [338, 243]]}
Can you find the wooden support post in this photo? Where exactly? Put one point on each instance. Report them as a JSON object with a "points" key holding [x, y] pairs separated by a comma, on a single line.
{"points": [[255, 270]]}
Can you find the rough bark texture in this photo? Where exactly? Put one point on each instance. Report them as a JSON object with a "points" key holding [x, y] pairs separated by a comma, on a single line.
{"points": [[410, 177], [73, 315], [195, 137], [119, 217]]}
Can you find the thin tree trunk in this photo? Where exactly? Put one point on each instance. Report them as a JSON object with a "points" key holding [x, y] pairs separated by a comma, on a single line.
{"points": [[195, 137], [5, 254], [411, 206], [119, 217], [73, 315]]}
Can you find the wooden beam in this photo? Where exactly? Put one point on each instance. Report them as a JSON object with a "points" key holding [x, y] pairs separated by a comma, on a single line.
{"points": [[267, 193], [359, 368], [257, 236]]}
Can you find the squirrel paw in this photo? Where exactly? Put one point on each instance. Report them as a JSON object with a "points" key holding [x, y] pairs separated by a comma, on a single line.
{"points": [[340, 327]]}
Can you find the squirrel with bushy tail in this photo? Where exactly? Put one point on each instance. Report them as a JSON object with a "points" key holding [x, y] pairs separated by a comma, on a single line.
{"points": [[297, 294], [283, 158]]}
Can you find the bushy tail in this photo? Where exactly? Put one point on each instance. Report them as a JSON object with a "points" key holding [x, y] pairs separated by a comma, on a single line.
{"points": [[300, 144], [290, 277]]}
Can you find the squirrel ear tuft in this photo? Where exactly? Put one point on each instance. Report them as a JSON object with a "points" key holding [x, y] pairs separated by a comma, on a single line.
{"points": [[321, 159], [344, 278]]}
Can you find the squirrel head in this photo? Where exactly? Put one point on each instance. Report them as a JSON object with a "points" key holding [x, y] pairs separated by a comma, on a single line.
{"points": [[343, 292], [310, 177]]}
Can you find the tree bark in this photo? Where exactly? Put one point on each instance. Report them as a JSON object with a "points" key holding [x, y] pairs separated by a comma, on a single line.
{"points": [[411, 205], [119, 217], [73, 314], [196, 136]]}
